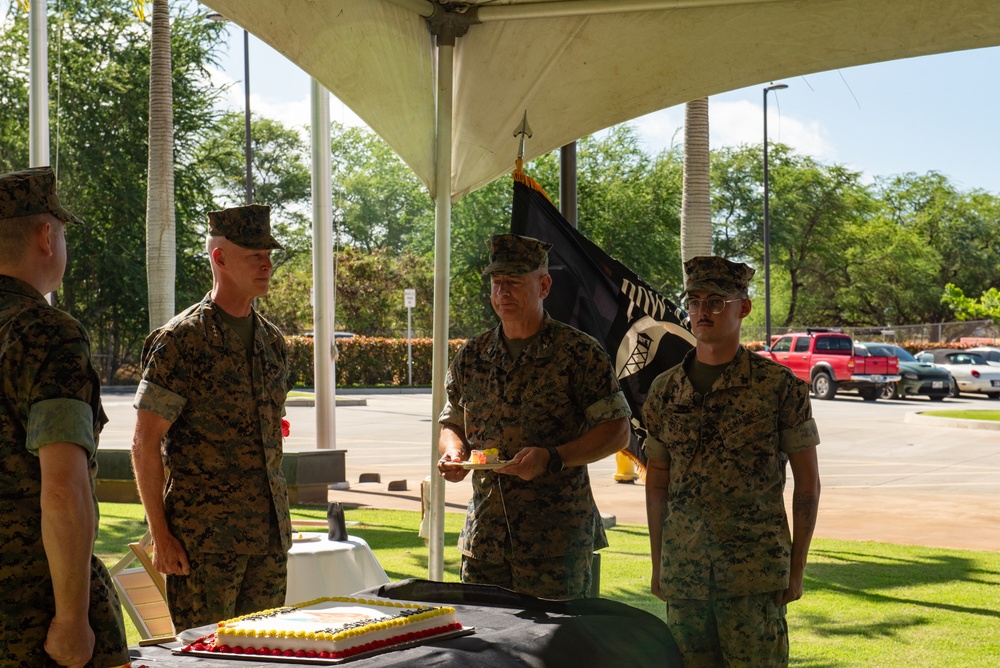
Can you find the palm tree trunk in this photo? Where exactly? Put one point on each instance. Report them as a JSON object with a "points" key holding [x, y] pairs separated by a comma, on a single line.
{"points": [[161, 254], [696, 202]]}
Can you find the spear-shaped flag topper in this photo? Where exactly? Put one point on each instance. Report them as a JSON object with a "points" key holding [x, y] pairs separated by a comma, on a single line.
{"points": [[523, 130]]}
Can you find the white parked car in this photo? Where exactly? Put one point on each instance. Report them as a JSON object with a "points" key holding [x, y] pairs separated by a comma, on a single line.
{"points": [[970, 371], [990, 353]]}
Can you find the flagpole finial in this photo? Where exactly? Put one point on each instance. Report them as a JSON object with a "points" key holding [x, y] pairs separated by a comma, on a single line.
{"points": [[523, 130]]}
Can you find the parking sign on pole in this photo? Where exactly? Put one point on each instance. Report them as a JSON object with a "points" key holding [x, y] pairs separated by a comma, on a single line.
{"points": [[409, 301]]}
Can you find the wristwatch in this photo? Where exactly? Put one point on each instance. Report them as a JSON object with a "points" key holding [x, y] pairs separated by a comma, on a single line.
{"points": [[555, 461]]}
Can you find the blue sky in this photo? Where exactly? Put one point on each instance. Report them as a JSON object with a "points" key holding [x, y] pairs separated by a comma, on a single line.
{"points": [[937, 113]]}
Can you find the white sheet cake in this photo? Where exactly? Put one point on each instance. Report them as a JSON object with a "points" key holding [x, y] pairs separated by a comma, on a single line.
{"points": [[329, 628]]}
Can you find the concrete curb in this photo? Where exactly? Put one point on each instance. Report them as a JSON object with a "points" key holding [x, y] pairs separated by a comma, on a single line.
{"points": [[958, 423], [310, 402]]}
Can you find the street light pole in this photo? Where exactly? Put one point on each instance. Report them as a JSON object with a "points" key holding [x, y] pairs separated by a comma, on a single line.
{"points": [[247, 147], [767, 230]]}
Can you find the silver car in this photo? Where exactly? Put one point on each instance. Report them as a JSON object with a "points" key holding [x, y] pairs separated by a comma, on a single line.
{"points": [[970, 371], [990, 353]]}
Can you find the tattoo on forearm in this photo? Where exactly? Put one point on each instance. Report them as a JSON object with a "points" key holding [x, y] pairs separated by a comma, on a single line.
{"points": [[804, 509]]}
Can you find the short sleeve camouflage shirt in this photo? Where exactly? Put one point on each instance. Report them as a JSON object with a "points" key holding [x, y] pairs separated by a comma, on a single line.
{"points": [[559, 387], [727, 452], [223, 449], [51, 393]]}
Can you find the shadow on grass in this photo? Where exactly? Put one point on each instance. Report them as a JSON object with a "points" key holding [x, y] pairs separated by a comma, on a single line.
{"points": [[830, 626], [872, 578], [115, 535]]}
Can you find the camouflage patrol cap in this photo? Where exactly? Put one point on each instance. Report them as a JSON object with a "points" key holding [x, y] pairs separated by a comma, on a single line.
{"points": [[511, 255], [30, 192], [246, 226], [717, 274]]}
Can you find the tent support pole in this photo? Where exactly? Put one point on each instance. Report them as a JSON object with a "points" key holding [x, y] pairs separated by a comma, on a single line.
{"points": [[442, 290], [38, 90], [324, 304], [567, 183]]}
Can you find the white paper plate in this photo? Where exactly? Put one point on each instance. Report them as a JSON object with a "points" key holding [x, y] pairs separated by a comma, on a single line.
{"points": [[483, 467], [305, 537]]}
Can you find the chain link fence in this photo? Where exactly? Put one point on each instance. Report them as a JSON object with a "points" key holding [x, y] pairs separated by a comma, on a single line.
{"points": [[980, 332]]}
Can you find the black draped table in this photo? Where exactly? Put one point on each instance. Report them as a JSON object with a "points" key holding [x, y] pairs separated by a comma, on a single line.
{"points": [[510, 630]]}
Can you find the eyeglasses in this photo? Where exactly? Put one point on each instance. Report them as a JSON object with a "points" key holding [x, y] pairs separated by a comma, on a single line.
{"points": [[715, 304]]}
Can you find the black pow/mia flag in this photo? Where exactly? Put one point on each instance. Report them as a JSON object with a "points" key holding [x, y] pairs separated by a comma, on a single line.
{"points": [[643, 333]]}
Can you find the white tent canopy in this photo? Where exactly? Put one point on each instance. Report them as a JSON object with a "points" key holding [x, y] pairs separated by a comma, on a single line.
{"points": [[583, 65], [445, 82]]}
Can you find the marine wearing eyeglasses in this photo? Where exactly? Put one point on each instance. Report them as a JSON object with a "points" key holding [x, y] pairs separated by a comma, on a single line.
{"points": [[714, 304], [722, 425]]}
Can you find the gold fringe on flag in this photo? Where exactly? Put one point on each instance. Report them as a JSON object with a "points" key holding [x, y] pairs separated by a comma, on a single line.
{"points": [[24, 5], [139, 9], [526, 180]]}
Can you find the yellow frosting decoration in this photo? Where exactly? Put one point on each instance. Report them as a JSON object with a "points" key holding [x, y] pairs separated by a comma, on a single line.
{"points": [[227, 627]]}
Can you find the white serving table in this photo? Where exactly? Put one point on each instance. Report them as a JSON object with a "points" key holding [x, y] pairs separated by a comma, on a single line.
{"points": [[323, 567]]}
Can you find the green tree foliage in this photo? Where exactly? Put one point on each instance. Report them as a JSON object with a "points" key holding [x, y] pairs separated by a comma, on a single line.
{"points": [[891, 275], [967, 308], [382, 205], [962, 227], [812, 209], [370, 292], [846, 253], [99, 73], [288, 300], [281, 177], [13, 89]]}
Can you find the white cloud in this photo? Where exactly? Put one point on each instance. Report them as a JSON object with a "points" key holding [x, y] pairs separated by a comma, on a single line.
{"points": [[742, 122], [296, 113], [732, 123], [661, 129]]}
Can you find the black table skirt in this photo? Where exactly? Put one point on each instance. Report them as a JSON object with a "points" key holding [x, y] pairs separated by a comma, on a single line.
{"points": [[510, 630]]}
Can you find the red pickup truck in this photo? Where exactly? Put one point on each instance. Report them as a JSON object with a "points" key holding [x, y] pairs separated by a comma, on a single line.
{"points": [[826, 360]]}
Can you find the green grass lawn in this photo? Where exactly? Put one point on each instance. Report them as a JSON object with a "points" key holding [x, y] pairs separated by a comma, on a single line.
{"points": [[965, 415], [865, 604]]}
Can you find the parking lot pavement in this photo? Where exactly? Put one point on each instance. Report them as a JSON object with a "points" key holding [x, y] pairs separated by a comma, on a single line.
{"points": [[884, 479]]}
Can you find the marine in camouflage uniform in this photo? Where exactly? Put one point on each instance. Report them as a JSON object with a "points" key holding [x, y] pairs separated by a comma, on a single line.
{"points": [[51, 400], [532, 526], [722, 426], [219, 405]]}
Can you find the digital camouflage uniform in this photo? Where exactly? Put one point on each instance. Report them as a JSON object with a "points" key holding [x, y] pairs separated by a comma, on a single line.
{"points": [[51, 394], [725, 531], [559, 387], [225, 497]]}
